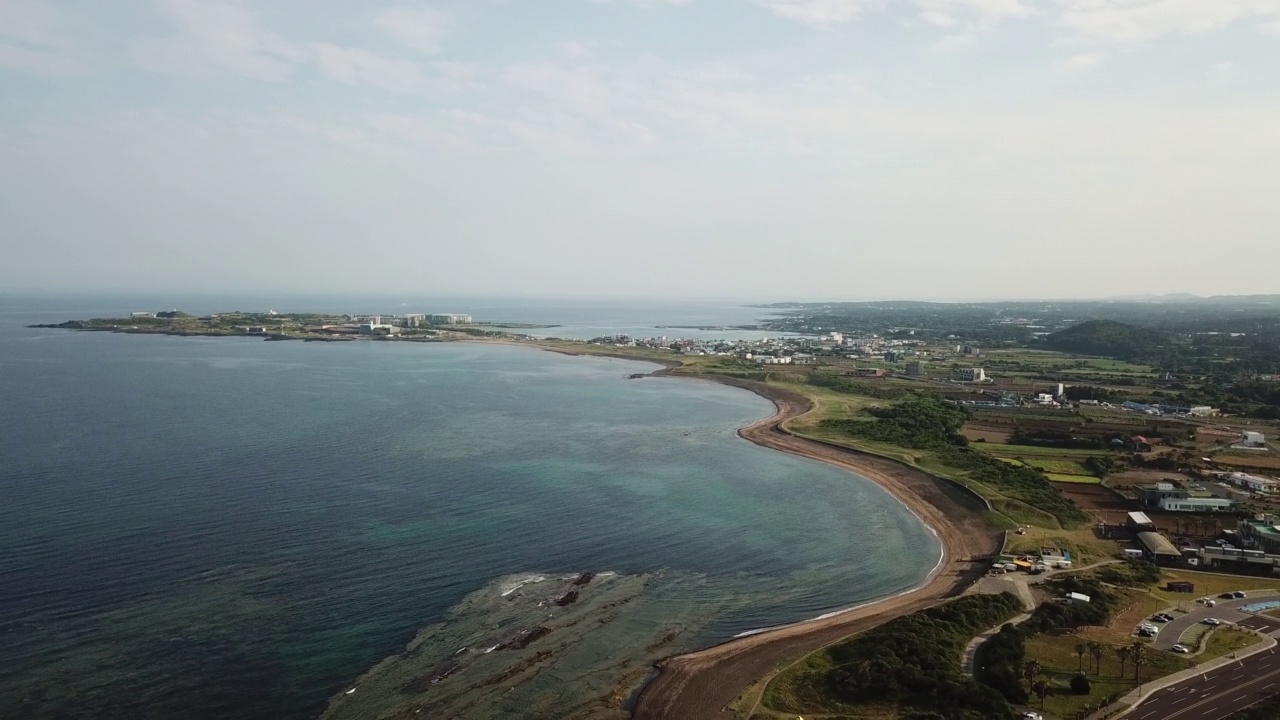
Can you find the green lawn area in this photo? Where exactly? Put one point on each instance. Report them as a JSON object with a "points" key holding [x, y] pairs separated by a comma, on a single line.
{"points": [[1210, 584], [1057, 654], [1224, 641], [1060, 466], [827, 404]]}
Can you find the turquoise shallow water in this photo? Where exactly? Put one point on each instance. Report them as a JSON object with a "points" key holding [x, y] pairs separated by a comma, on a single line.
{"points": [[228, 528]]}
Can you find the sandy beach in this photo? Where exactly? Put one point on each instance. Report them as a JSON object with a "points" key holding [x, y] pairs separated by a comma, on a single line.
{"points": [[701, 684]]}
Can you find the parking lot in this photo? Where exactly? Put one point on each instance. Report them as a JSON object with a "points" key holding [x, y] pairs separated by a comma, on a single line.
{"points": [[1171, 633]]}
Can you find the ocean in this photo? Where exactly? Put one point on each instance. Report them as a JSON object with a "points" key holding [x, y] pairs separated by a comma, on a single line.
{"points": [[231, 528]]}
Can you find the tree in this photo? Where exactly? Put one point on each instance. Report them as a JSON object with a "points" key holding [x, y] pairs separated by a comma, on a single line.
{"points": [[1097, 650], [1081, 650], [1041, 688], [1030, 669], [1124, 652], [1080, 685], [1138, 653]]}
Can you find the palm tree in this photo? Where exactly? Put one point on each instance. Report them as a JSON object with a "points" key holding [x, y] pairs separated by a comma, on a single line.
{"points": [[1081, 650], [1139, 655], [1097, 650], [1030, 669], [1124, 652], [1041, 688]]}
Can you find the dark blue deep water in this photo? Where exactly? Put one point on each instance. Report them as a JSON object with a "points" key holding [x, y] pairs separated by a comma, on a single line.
{"points": [[231, 528]]}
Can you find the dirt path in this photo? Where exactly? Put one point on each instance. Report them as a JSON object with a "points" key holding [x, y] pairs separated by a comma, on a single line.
{"points": [[700, 684]]}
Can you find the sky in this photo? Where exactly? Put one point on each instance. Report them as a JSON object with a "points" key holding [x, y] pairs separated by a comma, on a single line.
{"points": [[756, 149]]}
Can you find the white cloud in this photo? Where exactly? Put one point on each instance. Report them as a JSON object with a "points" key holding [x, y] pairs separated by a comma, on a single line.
{"points": [[226, 35], [30, 40], [820, 12], [1135, 21], [354, 66], [418, 28], [223, 34], [945, 13], [1080, 63]]}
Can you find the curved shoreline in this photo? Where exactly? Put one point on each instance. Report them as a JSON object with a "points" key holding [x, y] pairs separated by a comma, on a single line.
{"points": [[702, 683]]}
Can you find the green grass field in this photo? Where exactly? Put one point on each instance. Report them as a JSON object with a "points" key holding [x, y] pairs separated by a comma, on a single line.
{"points": [[1078, 479], [1033, 451]]}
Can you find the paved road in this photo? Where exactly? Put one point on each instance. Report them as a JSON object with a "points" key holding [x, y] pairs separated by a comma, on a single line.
{"points": [[1171, 632], [1217, 694]]}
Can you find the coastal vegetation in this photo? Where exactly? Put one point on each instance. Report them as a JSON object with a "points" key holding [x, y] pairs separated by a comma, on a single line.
{"points": [[925, 422], [911, 663]]}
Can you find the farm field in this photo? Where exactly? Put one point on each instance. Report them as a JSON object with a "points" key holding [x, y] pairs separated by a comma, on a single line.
{"points": [[1258, 459], [1097, 499], [1035, 450], [1074, 479]]}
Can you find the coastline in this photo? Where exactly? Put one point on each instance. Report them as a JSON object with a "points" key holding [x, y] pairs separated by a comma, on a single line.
{"points": [[702, 683]]}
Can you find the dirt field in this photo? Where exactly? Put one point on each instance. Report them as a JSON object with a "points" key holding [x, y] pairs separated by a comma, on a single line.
{"points": [[985, 433], [1097, 499], [1129, 478], [1261, 459]]}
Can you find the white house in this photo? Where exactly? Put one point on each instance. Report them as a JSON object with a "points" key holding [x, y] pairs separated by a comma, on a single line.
{"points": [[1253, 440], [1253, 482]]}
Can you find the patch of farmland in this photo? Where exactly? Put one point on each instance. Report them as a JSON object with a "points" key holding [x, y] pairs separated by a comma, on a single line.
{"points": [[1096, 498], [1077, 479], [1062, 467], [985, 433], [1034, 451], [1258, 459]]}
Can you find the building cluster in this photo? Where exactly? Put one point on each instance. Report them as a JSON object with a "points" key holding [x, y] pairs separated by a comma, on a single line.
{"points": [[1175, 409], [411, 320]]}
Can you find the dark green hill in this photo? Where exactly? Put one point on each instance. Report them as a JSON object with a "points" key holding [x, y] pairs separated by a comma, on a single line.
{"points": [[1109, 338]]}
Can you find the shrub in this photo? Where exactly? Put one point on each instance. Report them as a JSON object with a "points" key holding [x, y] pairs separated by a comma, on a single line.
{"points": [[1080, 685]]}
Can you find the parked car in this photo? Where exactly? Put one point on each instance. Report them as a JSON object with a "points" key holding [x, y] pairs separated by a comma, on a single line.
{"points": [[1032, 716], [1211, 621], [1145, 632], [1227, 595], [1181, 649], [1238, 594]]}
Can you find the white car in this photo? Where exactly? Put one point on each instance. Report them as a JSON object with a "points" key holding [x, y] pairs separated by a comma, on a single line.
{"points": [[1181, 649], [1032, 716], [1211, 621]]}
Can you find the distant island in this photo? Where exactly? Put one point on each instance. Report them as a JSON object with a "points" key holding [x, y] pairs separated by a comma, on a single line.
{"points": [[271, 325]]}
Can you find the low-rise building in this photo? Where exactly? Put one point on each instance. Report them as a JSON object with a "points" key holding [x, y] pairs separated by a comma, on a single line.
{"points": [[1197, 504], [1158, 549], [1153, 494], [867, 372], [971, 375], [1253, 483], [1263, 534], [1251, 439], [915, 369], [1139, 521]]}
